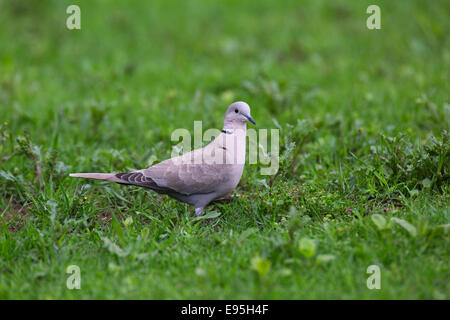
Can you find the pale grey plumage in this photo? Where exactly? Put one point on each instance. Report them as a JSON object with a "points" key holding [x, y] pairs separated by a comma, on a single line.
{"points": [[200, 176]]}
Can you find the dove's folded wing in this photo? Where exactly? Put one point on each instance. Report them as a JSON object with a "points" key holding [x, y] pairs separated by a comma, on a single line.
{"points": [[186, 176]]}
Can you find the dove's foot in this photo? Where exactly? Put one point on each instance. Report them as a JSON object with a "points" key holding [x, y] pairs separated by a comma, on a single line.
{"points": [[198, 212]]}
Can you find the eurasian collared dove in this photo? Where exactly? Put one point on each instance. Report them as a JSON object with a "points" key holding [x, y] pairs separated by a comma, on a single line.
{"points": [[200, 176]]}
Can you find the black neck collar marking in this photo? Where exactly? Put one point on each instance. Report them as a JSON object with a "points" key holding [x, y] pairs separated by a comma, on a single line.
{"points": [[227, 131]]}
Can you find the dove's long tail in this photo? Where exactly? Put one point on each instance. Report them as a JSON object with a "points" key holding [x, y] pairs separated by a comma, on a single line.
{"points": [[135, 178], [97, 176]]}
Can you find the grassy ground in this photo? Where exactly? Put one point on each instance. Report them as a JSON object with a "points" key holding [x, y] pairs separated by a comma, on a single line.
{"points": [[364, 171]]}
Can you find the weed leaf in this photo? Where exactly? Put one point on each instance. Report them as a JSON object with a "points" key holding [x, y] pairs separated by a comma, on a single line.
{"points": [[114, 248], [261, 265], [209, 215], [406, 225], [307, 247], [379, 221]]}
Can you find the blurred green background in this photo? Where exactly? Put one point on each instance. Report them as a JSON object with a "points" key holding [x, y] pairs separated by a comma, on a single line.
{"points": [[353, 105]]}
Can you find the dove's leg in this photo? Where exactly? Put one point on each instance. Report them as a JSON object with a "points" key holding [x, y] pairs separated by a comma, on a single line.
{"points": [[198, 211]]}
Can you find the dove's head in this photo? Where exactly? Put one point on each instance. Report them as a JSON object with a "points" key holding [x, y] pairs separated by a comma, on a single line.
{"points": [[238, 113]]}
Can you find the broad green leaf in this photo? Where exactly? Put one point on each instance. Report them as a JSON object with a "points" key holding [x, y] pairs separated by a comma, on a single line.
{"points": [[426, 183], [406, 225], [261, 265], [209, 215], [307, 247], [379, 221], [128, 222]]}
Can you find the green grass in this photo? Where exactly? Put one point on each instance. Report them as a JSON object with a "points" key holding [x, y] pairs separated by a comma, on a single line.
{"points": [[364, 118]]}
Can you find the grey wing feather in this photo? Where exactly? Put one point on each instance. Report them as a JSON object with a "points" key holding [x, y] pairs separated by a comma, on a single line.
{"points": [[187, 178], [138, 179]]}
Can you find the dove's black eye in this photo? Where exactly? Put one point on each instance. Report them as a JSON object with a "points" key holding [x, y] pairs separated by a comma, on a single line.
{"points": [[236, 110]]}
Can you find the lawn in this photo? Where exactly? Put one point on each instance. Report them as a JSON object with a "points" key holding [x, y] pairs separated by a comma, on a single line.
{"points": [[364, 172]]}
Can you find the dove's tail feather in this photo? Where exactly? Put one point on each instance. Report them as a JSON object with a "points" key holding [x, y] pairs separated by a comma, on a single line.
{"points": [[135, 178], [97, 176]]}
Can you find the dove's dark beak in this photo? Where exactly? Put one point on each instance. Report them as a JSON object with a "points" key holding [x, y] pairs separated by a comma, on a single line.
{"points": [[249, 118]]}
